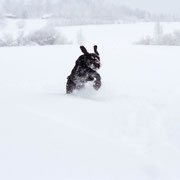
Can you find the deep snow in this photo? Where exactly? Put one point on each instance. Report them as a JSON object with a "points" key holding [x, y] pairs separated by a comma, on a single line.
{"points": [[128, 130]]}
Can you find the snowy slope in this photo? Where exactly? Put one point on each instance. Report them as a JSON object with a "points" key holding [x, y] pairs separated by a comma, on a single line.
{"points": [[128, 130]]}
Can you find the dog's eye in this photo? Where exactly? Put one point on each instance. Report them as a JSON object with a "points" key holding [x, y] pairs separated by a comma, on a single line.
{"points": [[92, 57]]}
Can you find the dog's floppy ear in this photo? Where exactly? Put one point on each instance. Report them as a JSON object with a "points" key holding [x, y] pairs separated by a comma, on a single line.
{"points": [[95, 50], [83, 49]]}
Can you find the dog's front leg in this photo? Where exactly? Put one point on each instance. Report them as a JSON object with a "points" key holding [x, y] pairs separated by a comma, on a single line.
{"points": [[97, 82]]}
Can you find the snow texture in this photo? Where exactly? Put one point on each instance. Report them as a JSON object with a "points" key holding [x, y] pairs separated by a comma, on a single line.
{"points": [[128, 130]]}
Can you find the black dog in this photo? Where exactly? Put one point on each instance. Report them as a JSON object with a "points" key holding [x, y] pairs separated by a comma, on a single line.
{"points": [[85, 70]]}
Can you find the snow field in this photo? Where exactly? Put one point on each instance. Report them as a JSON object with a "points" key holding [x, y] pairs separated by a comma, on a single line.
{"points": [[127, 130]]}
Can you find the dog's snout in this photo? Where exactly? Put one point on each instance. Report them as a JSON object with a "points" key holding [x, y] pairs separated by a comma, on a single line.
{"points": [[97, 64]]}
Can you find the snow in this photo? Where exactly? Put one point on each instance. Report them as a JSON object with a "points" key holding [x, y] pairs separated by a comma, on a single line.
{"points": [[128, 130]]}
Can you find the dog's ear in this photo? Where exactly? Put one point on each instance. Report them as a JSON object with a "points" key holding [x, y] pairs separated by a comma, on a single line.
{"points": [[84, 50], [95, 50]]}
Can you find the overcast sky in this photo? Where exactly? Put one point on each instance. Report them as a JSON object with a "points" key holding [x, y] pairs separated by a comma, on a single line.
{"points": [[165, 6]]}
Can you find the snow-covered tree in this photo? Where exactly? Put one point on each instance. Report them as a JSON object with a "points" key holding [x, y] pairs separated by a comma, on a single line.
{"points": [[158, 31]]}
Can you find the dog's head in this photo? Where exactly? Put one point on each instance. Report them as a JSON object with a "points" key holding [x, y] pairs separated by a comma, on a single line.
{"points": [[92, 60]]}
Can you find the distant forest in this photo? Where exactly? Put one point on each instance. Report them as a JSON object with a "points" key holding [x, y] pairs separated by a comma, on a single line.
{"points": [[78, 11]]}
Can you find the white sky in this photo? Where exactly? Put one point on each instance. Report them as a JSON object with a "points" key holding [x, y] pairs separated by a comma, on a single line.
{"points": [[156, 6]]}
